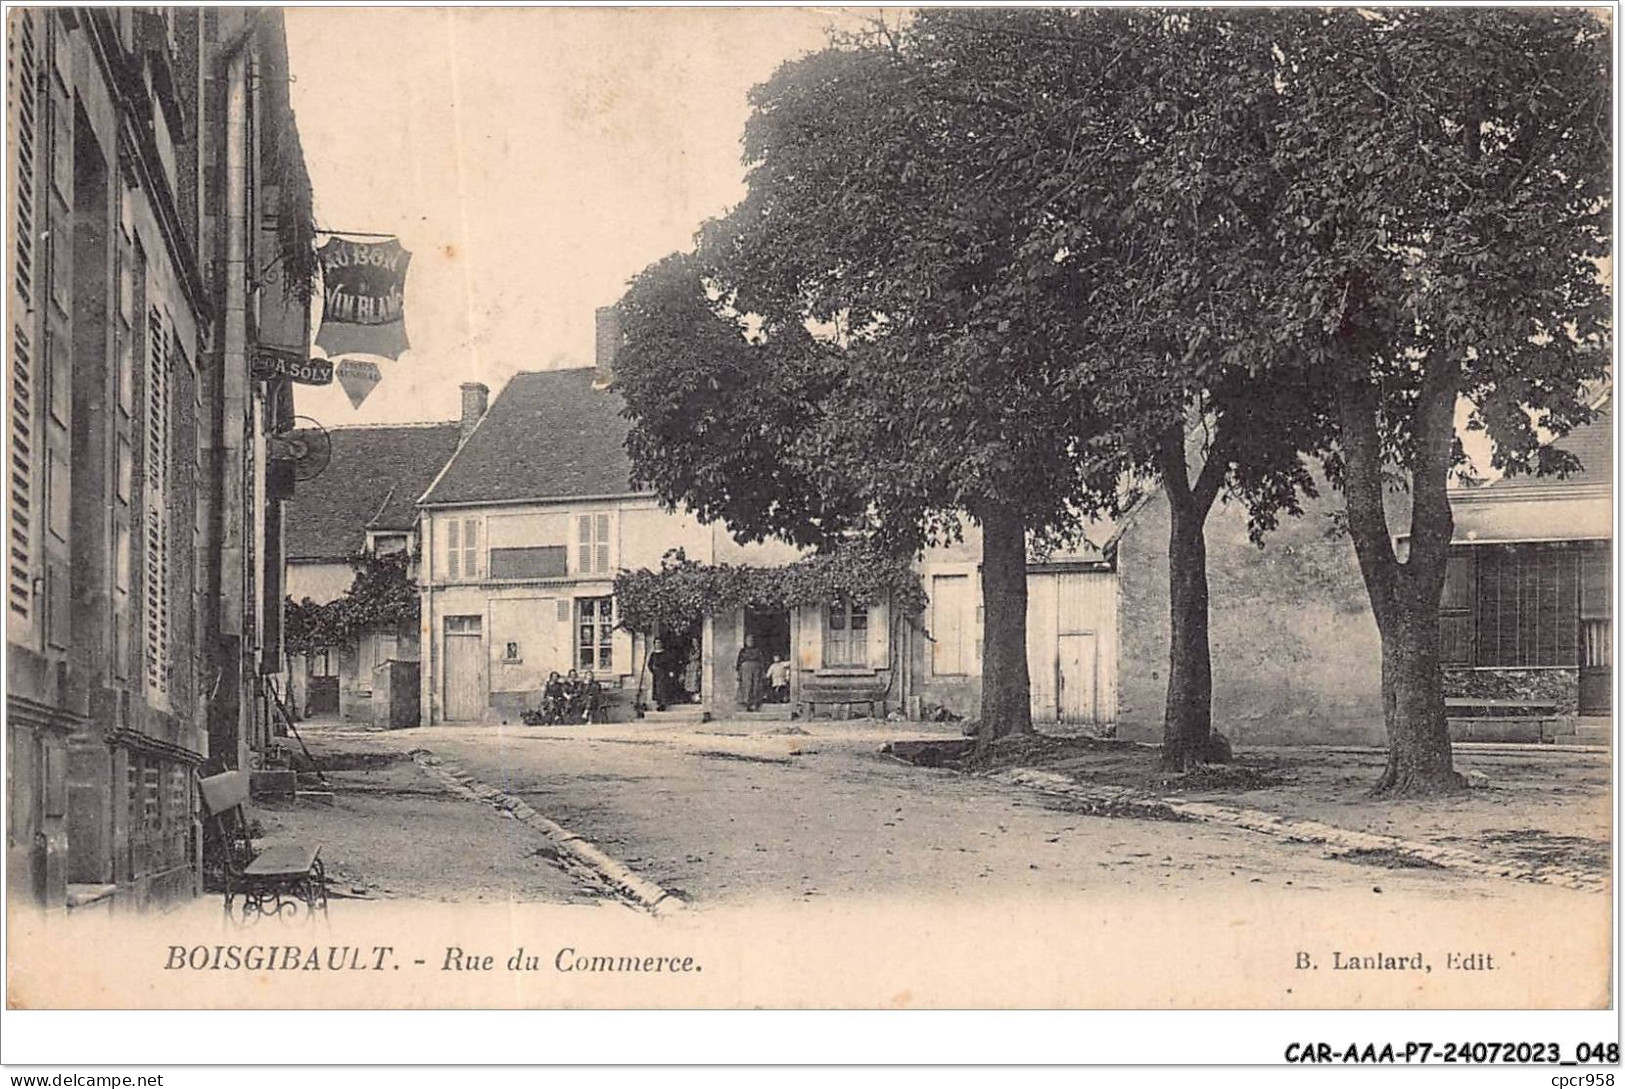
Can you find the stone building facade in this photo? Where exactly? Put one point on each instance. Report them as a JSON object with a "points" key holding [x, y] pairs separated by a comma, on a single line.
{"points": [[153, 175]]}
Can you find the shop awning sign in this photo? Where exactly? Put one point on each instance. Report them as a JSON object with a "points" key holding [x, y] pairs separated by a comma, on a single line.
{"points": [[275, 363], [363, 297]]}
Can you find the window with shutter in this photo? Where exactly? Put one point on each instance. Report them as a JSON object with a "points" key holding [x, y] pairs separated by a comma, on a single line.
{"points": [[22, 107], [846, 634], [471, 542], [1456, 611], [156, 447], [58, 498], [124, 332], [953, 629], [462, 548], [592, 544]]}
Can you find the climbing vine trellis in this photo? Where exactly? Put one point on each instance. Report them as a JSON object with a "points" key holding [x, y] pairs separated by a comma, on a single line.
{"points": [[685, 591], [383, 594]]}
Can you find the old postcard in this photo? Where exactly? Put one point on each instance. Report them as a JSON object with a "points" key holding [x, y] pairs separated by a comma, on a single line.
{"points": [[669, 508]]}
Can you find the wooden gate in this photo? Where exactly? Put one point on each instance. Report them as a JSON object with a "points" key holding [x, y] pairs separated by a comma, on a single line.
{"points": [[1077, 677], [1072, 644]]}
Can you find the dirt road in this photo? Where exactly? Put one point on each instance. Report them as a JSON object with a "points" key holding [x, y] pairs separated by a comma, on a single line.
{"points": [[743, 812]]}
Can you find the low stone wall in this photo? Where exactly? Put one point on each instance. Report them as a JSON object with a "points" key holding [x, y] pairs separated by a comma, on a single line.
{"points": [[1560, 687]]}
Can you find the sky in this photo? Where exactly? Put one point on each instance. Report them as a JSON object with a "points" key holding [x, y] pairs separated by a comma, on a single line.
{"points": [[532, 161]]}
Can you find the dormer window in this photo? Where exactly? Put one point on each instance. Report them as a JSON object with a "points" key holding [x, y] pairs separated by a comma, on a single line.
{"points": [[387, 544]]}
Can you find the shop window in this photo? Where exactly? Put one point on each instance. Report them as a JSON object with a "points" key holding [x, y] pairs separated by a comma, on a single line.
{"points": [[595, 633]]}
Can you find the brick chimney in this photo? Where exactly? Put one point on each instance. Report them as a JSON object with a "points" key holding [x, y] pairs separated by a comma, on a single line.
{"points": [[476, 398], [608, 343]]}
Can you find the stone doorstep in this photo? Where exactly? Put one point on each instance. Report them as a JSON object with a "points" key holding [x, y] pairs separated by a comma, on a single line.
{"points": [[682, 712], [1120, 801]]}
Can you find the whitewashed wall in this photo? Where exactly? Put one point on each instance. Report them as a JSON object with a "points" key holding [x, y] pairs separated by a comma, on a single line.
{"points": [[321, 582]]}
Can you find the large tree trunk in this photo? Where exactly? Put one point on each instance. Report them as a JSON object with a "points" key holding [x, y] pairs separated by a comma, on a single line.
{"points": [[1405, 596], [1419, 760], [1006, 688], [1187, 722]]}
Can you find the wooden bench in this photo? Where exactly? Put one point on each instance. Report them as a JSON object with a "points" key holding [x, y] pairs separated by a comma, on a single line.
{"points": [[842, 692], [273, 881]]}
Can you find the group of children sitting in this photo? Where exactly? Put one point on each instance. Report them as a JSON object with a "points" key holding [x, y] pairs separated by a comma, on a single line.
{"points": [[571, 698]]}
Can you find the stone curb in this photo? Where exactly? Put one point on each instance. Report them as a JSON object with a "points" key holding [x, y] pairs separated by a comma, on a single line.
{"points": [[1109, 801], [565, 843]]}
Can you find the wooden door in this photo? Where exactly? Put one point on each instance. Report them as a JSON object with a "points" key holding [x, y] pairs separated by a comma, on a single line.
{"points": [[1076, 676], [465, 669]]}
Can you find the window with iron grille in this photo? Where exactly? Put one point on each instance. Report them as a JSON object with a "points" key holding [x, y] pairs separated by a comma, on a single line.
{"points": [[1524, 606]]}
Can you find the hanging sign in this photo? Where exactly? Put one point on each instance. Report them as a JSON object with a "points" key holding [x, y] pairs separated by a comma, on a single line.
{"points": [[363, 293], [274, 363], [358, 377]]}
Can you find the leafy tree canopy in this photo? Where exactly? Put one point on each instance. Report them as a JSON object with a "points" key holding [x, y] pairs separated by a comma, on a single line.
{"points": [[382, 595]]}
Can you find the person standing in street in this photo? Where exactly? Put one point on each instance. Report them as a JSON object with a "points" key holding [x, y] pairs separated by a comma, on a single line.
{"points": [[751, 668], [664, 666]]}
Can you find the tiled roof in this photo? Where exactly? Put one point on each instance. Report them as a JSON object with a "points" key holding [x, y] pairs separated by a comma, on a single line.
{"points": [[548, 435], [1546, 508], [372, 481], [1592, 444], [1536, 508]]}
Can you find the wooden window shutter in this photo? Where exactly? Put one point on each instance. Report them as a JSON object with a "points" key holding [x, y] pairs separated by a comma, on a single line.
{"points": [[879, 635], [601, 543], [1456, 610], [22, 102], [453, 547], [156, 447], [21, 573], [1595, 583], [471, 545]]}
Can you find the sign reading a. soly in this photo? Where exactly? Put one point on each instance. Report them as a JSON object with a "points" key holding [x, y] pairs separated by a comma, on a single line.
{"points": [[358, 377], [269, 363]]}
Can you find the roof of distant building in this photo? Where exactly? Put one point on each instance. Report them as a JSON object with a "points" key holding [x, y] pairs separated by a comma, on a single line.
{"points": [[372, 481], [1539, 508], [548, 435], [1592, 444]]}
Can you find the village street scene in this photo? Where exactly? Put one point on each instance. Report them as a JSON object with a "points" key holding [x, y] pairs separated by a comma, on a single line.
{"points": [[688, 460]]}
